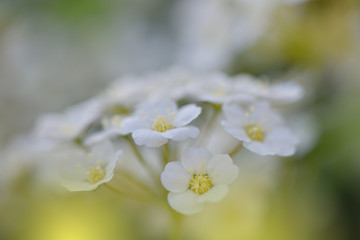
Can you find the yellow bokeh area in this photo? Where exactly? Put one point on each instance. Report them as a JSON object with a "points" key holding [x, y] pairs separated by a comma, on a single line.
{"points": [[73, 218]]}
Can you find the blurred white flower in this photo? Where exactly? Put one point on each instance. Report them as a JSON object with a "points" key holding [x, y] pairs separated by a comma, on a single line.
{"points": [[259, 128], [70, 124], [111, 127], [215, 87], [211, 32], [82, 171], [155, 123], [284, 92], [199, 177]]}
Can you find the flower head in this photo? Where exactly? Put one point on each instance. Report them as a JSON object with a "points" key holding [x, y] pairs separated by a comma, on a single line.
{"points": [[199, 177], [154, 124], [86, 171], [259, 128]]}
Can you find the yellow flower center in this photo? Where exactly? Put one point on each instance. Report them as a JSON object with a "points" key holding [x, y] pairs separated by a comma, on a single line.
{"points": [[255, 132], [161, 124], [96, 174], [200, 183]]}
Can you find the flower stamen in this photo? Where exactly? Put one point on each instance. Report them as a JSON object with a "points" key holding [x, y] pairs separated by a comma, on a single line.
{"points": [[161, 124], [95, 174], [200, 183], [255, 132]]}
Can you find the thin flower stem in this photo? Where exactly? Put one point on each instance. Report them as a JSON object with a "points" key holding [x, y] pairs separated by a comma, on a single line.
{"points": [[236, 150], [166, 154], [141, 159], [177, 220], [139, 184]]}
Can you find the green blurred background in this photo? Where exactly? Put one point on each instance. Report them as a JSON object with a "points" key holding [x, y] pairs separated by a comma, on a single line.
{"points": [[56, 48]]}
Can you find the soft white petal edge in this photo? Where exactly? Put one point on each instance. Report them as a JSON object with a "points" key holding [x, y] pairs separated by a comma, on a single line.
{"points": [[186, 114], [182, 133], [185, 202], [175, 178], [149, 138]]}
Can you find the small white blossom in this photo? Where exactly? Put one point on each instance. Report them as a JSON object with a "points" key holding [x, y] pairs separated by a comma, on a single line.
{"points": [[112, 126], [154, 124], [259, 128], [283, 92], [82, 171], [216, 88], [70, 124], [199, 177]]}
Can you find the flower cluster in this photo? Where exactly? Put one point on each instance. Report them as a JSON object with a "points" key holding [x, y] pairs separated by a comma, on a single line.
{"points": [[165, 116]]}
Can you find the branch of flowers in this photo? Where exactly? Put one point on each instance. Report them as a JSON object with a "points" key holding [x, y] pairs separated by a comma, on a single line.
{"points": [[236, 149], [209, 125], [141, 159]]}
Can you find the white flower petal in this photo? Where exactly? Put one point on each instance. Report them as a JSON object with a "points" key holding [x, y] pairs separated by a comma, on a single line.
{"points": [[186, 114], [286, 92], [234, 113], [185, 202], [195, 159], [102, 135], [76, 186], [283, 141], [236, 132], [215, 194], [132, 124], [175, 178], [261, 148], [222, 168], [160, 108], [182, 133], [149, 138], [103, 151]]}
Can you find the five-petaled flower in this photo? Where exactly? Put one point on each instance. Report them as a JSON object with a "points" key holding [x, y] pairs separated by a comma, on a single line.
{"points": [[154, 124], [199, 177], [83, 171], [259, 128]]}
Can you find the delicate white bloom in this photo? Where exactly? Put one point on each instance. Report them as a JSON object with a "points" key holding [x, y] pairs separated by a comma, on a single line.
{"points": [[126, 91], [170, 84], [70, 124], [154, 124], [112, 126], [283, 92], [83, 171], [199, 177], [216, 88], [259, 128]]}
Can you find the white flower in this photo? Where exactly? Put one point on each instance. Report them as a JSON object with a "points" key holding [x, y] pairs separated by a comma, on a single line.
{"points": [[199, 177], [216, 88], [112, 126], [283, 92], [70, 124], [83, 171], [259, 128], [154, 124]]}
